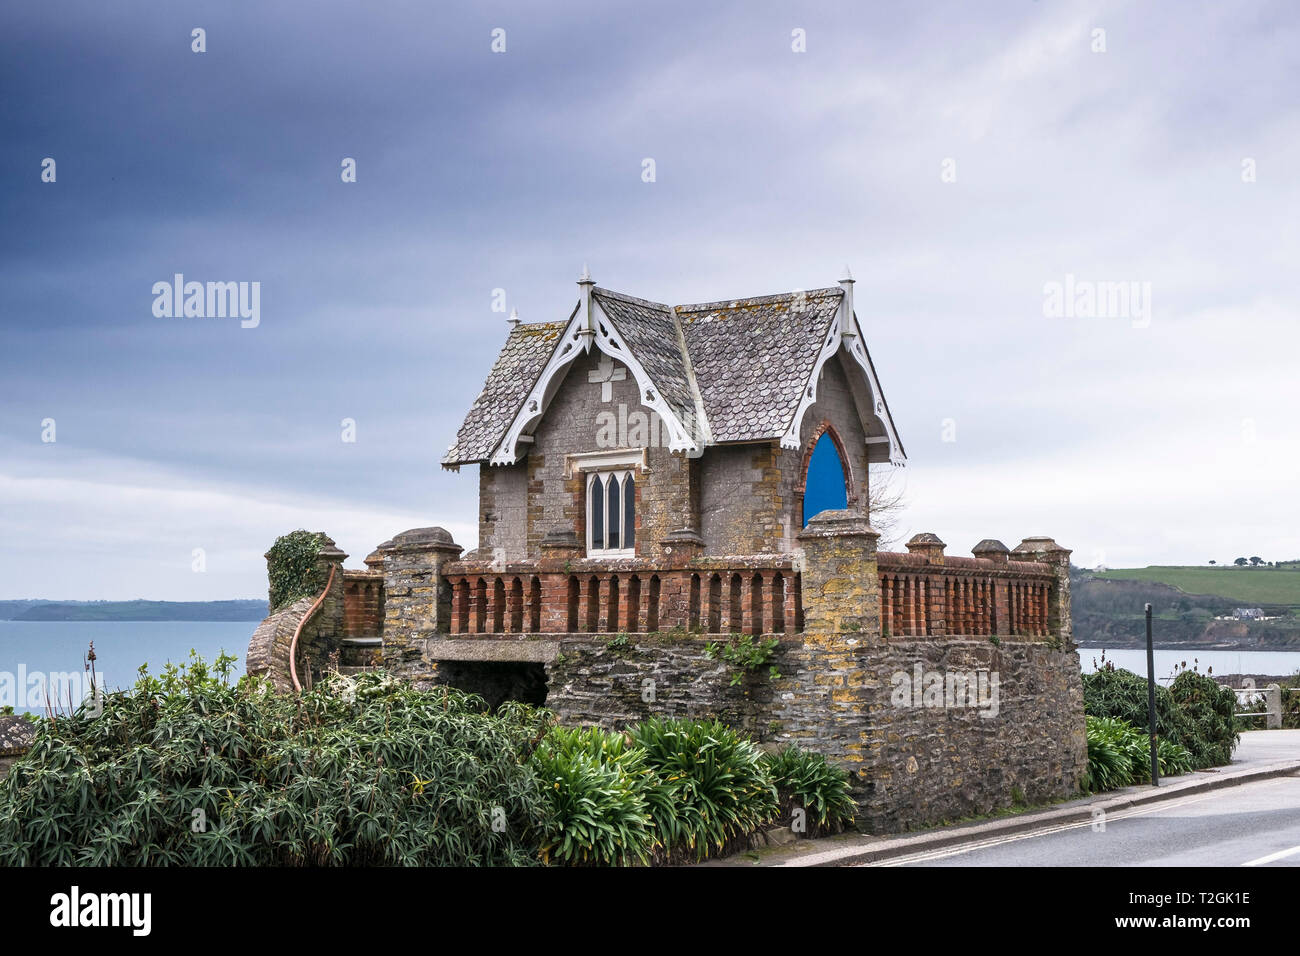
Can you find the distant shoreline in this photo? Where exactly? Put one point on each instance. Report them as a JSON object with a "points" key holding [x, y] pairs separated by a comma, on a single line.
{"points": [[1139, 644], [138, 611]]}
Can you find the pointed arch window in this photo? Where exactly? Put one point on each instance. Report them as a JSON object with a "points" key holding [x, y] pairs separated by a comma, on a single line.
{"points": [[611, 513]]}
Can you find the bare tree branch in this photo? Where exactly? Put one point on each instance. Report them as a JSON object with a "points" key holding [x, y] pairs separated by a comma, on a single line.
{"points": [[886, 501]]}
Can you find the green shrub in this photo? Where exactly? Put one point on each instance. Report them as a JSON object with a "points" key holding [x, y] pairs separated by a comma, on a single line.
{"points": [[713, 788], [1211, 710], [597, 786], [1175, 759], [745, 655], [1111, 753], [1119, 755], [804, 780], [1113, 692], [292, 568], [1194, 712], [184, 769], [675, 790], [1290, 702]]}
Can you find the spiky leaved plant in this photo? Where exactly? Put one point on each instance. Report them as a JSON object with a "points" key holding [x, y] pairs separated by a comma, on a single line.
{"points": [[806, 781], [714, 789], [597, 785], [185, 769]]}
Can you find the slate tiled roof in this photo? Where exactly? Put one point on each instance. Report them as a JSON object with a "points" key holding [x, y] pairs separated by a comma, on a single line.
{"points": [[753, 357], [745, 362], [526, 352], [650, 331]]}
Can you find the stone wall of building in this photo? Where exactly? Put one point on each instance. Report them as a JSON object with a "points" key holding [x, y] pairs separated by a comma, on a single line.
{"points": [[579, 421], [503, 510], [751, 498], [595, 681], [911, 763], [742, 510], [938, 755]]}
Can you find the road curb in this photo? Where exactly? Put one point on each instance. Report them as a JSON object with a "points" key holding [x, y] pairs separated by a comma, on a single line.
{"points": [[1080, 812]]}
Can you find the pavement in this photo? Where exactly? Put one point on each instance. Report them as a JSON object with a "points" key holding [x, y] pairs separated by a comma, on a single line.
{"points": [[1261, 755]]}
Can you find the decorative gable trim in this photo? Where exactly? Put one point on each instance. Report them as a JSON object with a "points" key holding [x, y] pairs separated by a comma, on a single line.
{"points": [[829, 346], [880, 410], [703, 430], [844, 332], [572, 343], [609, 341], [589, 326]]}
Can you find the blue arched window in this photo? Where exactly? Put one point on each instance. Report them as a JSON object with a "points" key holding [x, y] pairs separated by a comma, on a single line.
{"points": [[826, 487]]}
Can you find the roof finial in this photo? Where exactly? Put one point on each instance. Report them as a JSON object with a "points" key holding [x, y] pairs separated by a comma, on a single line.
{"points": [[588, 320], [848, 322], [514, 318]]}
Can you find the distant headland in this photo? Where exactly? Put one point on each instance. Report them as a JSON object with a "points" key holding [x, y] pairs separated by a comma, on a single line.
{"points": [[138, 610]]}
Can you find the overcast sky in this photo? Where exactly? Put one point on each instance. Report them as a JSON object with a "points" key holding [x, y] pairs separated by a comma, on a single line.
{"points": [[958, 157]]}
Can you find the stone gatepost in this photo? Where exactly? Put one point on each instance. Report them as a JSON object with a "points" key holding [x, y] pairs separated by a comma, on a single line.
{"points": [[840, 589], [1273, 707], [840, 584], [324, 633], [417, 599], [331, 558], [1047, 551]]}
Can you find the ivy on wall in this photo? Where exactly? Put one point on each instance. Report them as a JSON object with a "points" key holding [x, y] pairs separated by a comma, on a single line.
{"points": [[291, 566]]}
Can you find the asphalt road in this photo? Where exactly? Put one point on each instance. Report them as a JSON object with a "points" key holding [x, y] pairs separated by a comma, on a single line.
{"points": [[1255, 824]]}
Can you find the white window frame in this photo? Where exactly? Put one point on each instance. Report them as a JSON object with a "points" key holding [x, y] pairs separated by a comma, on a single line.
{"points": [[603, 475], [634, 458]]}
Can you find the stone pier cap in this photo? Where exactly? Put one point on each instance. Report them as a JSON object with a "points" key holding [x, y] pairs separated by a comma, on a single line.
{"points": [[837, 524], [421, 539]]}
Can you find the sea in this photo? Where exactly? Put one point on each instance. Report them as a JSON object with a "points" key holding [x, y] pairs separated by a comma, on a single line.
{"points": [[35, 654], [1216, 663]]}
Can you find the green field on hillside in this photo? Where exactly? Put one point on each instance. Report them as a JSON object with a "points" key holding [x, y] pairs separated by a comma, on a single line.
{"points": [[1249, 586]]}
